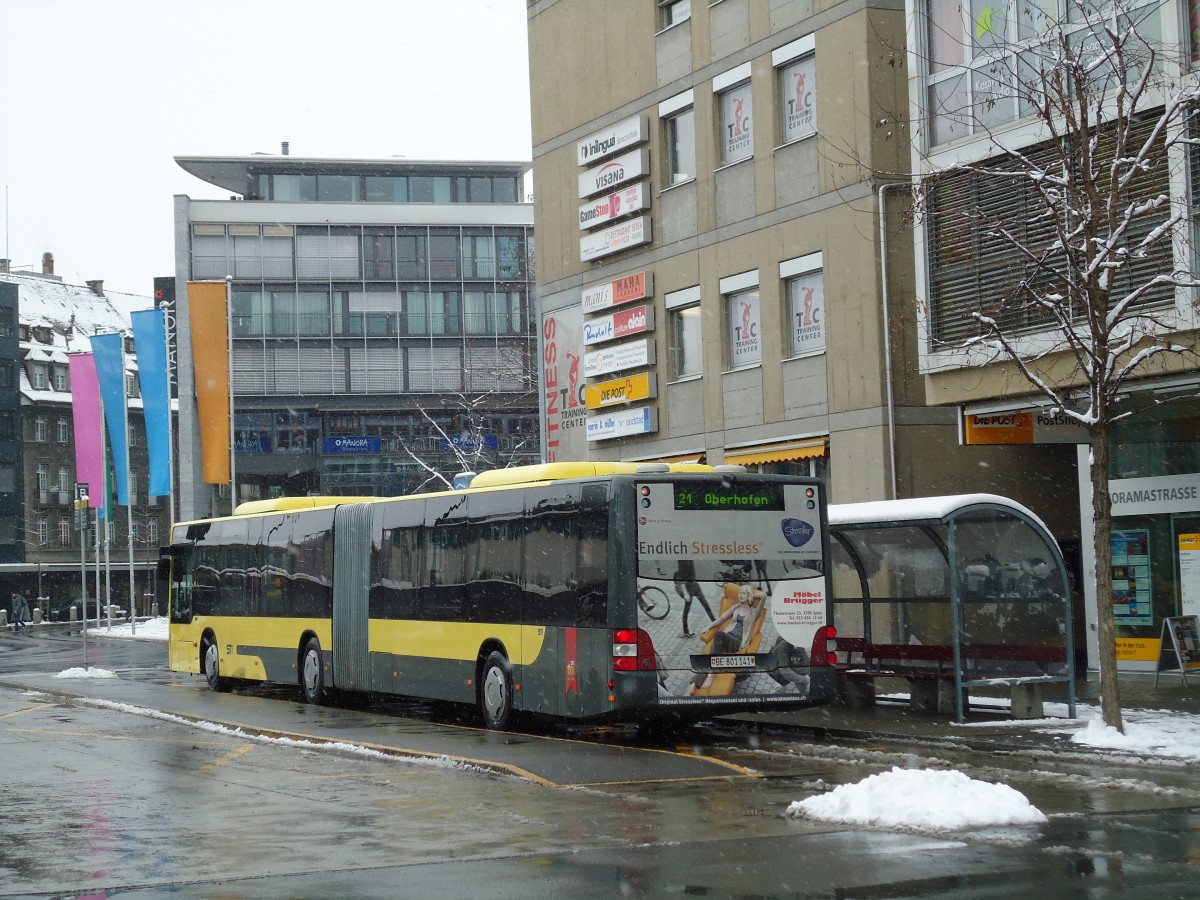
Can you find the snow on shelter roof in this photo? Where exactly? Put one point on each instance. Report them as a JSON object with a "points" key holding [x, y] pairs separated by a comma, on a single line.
{"points": [[918, 509]]}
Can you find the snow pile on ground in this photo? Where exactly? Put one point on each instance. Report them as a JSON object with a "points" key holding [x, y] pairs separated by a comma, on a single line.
{"points": [[921, 798], [92, 672], [150, 630], [1148, 732]]}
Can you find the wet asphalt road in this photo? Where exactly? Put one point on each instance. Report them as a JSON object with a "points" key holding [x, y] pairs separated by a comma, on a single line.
{"points": [[103, 802]]}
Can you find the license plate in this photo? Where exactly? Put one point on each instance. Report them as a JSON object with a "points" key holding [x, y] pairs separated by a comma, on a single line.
{"points": [[731, 662]]}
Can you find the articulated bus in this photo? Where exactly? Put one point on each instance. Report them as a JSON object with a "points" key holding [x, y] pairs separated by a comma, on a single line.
{"points": [[600, 591]]}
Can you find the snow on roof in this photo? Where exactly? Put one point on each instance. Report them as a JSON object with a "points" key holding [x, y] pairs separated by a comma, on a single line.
{"points": [[917, 509], [46, 302]]}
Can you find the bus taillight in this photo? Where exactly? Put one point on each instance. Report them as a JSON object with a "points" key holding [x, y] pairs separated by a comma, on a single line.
{"points": [[824, 647], [633, 651]]}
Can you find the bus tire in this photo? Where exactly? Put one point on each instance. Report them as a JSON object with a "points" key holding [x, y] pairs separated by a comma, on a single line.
{"points": [[210, 662], [312, 673], [495, 692]]}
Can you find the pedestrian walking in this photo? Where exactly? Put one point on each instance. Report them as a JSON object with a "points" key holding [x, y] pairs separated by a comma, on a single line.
{"points": [[20, 609]]}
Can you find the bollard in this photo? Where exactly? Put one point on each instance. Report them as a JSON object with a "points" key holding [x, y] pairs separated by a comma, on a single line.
{"points": [[74, 614], [3, 618], [154, 610], [37, 615]]}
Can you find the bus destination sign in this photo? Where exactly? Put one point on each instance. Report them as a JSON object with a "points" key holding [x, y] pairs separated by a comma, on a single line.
{"points": [[713, 497]]}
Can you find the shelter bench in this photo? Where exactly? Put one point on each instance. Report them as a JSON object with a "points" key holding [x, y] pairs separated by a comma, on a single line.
{"points": [[929, 669]]}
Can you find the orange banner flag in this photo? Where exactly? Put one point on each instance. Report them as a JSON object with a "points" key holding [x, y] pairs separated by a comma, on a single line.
{"points": [[207, 315]]}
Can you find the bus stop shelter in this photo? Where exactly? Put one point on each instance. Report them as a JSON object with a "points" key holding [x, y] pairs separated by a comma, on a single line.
{"points": [[958, 592]]}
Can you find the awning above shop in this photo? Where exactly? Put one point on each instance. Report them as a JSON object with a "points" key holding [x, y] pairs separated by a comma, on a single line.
{"points": [[697, 457], [809, 448]]}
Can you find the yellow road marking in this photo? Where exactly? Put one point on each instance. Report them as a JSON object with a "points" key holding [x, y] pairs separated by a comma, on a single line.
{"points": [[227, 758], [28, 709]]}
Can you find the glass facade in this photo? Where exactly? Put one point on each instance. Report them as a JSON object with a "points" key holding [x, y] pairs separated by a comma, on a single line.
{"points": [[1155, 492]]}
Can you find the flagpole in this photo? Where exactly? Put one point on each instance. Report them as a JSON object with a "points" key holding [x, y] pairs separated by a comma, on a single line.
{"points": [[128, 491], [232, 433], [106, 507]]}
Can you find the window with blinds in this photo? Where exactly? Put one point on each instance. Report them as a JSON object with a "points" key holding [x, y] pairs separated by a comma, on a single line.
{"points": [[974, 270]]}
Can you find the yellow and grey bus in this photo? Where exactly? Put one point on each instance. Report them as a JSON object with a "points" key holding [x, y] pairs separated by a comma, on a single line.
{"points": [[602, 591]]}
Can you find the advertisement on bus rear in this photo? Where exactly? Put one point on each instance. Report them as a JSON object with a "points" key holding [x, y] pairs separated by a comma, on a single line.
{"points": [[731, 588]]}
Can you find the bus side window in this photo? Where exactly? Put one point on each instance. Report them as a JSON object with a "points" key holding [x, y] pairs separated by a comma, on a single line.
{"points": [[181, 587], [592, 569]]}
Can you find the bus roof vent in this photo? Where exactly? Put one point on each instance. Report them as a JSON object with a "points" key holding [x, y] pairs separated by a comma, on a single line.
{"points": [[729, 468], [652, 468]]}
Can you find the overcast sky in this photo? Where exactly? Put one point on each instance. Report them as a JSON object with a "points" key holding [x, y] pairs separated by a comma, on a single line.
{"points": [[101, 95]]}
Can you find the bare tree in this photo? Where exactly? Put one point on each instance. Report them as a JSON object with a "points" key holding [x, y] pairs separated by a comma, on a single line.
{"points": [[1084, 291], [503, 383]]}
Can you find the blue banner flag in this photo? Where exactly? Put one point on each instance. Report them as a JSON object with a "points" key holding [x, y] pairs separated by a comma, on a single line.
{"points": [[110, 370], [150, 343]]}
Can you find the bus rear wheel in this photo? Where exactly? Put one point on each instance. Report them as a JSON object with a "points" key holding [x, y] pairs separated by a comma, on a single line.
{"points": [[210, 658], [312, 673], [495, 692]]}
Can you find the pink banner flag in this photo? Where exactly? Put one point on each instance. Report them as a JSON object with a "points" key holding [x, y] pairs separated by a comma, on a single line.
{"points": [[89, 432]]}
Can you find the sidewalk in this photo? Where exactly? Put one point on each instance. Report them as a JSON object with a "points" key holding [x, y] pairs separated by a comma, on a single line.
{"points": [[1159, 722]]}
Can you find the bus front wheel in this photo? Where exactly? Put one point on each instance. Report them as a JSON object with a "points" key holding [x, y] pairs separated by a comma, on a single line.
{"points": [[495, 692], [210, 657], [312, 673]]}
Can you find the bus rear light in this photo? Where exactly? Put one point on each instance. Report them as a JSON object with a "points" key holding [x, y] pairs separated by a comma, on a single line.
{"points": [[633, 651]]}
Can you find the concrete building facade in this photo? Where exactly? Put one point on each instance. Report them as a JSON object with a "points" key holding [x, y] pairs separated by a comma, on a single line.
{"points": [[725, 260], [382, 333]]}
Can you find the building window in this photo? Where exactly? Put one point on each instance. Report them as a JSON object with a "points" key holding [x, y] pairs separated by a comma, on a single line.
{"points": [[152, 531], [493, 312], [681, 145], [432, 312], [64, 430], [806, 311], [737, 123], [39, 429], [37, 377], [743, 316], [61, 381], [64, 532], [479, 257], [797, 89], [984, 56], [683, 308], [674, 11], [510, 251], [411, 256], [8, 429], [43, 532], [6, 374], [64, 481], [379, 256], [443, 256], [973, 272], [8, 478], [247, 252], [8, 319], [332, 255]]}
